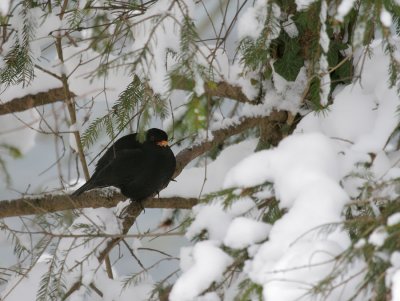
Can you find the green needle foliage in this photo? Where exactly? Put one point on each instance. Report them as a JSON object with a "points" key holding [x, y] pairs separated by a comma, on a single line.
{"points": [[19, 64], [136, 100]]}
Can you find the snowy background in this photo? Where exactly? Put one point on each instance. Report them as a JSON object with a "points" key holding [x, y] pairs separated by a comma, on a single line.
{"points": [[315, 173]]}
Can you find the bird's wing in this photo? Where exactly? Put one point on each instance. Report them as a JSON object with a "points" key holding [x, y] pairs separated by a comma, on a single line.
{"points": [[128, 142], [121, 168]]}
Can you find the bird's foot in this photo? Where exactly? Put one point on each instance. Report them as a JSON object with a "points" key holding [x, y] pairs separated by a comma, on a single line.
{"points": [[141, 206]]}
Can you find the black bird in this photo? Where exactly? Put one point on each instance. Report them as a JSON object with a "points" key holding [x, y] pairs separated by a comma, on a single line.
{"points": [[139, 170]]}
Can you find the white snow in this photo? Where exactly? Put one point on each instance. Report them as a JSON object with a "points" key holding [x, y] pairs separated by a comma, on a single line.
{"points": [[136, 244], [26, 286], [216, 219], [381, 165], [243, 232], [325, 79], [250, 20], [20, 129], [212, 218], [209, 262], [294, 154], [285, 95], [305, 176], [290, 27], [186, 259], [375, 105], [392, 277], [360, 243], [4, 7], [324, 39], [344, 8], [396, 286], [212, 296], [378, 237], [303, 4], [386, 17], [393, 219]]}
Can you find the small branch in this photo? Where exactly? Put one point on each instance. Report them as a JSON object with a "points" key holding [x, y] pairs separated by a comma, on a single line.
{"points": [[218, 136], [107, 262], [32, 100], [131, 213], [48, 72], [70, 102]]}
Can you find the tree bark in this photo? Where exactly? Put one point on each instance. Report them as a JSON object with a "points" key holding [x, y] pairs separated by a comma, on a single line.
{"points": [[32, 100]]}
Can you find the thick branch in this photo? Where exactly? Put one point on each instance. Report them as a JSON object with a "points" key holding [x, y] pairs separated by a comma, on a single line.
{"points": [[94, 199], [32, 100], [219, 89]]}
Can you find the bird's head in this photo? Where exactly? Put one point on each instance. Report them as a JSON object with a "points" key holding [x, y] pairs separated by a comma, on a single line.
{"points": [[157, 136]]}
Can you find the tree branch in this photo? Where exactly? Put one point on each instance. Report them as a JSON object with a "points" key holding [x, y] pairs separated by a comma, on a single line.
{"points": [[32, 100], [218, 89], [218, 136], [95, 199]]}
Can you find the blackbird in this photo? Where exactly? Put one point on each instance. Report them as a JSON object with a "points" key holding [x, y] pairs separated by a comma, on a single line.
{"points": [[138, 169]]}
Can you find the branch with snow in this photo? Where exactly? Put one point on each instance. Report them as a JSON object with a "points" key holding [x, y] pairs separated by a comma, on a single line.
{"points": [[32, 100], [244, 123]]}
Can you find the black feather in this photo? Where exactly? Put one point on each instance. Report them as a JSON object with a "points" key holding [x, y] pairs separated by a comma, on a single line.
{"points": [[139, 170]]}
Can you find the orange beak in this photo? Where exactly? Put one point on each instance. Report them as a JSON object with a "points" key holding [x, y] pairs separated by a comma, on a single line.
{"points": [[163, 143]]}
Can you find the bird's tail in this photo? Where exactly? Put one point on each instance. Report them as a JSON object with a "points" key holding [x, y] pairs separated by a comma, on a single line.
{"points": [[87, 186]]}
